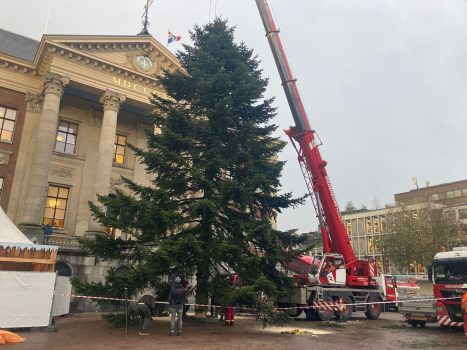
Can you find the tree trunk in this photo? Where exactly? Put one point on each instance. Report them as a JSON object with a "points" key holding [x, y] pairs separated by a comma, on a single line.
{"points": [[202, 286]]}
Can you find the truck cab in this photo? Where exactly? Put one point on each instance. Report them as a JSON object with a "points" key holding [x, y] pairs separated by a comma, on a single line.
{"points": [[387, 285], [449, 274]]}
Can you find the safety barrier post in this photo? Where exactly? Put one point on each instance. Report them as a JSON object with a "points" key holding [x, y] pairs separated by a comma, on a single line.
{"points": [[126, 310]]}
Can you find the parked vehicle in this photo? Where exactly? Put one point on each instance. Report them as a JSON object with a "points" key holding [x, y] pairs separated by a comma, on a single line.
{"points": [[448, 273], [418, 313]]}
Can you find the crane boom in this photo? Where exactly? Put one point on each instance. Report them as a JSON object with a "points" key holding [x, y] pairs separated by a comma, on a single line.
{"points": [[334, 234]]}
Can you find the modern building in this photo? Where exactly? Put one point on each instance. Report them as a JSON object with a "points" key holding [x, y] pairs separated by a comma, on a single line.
{"points": [[366, 228], [452, 195], [69, 106]]}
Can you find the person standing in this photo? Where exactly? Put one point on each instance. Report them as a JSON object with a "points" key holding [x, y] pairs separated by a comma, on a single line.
{"points": [[48, 230], [145, 307], [464, 307], [229, 313], [177, 297]]}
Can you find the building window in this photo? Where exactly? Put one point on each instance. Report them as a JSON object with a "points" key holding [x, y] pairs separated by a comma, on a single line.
{"points": [[1, 186], [375, 224], [369, 226], [450, 214], [377, 243], [349, 227], [360, 227], [66, 137], [120, 145], [57, 198], [379, 265], [416, 269], [462, 212], [370, 248], [7, 123], [383, 224]]}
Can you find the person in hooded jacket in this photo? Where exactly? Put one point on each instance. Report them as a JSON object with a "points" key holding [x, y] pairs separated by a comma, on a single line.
{"points": [[145, 307], [177, 298]]}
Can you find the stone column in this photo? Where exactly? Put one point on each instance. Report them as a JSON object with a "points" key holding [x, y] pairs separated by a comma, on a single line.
{"points": [[111, 102], [33, 209], [25, 154]]}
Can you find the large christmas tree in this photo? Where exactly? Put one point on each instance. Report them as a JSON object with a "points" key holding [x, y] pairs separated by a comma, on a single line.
{"points": [[216, 176]]}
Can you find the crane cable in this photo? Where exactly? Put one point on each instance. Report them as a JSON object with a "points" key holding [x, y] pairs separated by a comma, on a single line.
{"points": [[210, 9]]}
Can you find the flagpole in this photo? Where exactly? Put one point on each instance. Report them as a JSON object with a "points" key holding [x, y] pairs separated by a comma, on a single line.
{"points": [[48, 16], [145, 21]]}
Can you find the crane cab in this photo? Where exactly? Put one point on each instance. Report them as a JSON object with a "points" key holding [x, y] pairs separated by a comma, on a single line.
{"points": [[328, 269]]}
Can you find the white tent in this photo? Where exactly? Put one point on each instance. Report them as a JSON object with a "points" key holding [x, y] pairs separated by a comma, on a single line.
{"points": [[27, 278], [9, 233]]}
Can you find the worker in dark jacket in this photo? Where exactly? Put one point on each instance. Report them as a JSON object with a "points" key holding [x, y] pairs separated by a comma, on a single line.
{"points": [[145, 307], [177, 298]]}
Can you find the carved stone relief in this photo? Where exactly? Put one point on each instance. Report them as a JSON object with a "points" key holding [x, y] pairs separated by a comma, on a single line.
{"points": [[55, 84], [34, 102], [64, 173], [112, 100]]}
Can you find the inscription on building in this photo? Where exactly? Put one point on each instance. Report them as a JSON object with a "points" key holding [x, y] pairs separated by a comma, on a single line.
{"points": [[132, 86]]}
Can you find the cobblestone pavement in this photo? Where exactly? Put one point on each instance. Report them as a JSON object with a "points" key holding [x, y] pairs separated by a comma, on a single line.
{"points": [[88, 331]]}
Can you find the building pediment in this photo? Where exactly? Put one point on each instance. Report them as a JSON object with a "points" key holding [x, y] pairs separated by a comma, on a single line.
{"points": [[142, 54], [128, 63]]}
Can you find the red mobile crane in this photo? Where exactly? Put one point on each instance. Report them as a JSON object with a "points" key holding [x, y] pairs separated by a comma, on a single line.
{"points": [[337, 275]]}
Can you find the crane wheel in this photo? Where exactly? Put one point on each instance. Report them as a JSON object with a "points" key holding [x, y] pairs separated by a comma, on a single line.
{"points": [[295, 312], [325, 315], [291, 310], [346, 312], [373, 310]]}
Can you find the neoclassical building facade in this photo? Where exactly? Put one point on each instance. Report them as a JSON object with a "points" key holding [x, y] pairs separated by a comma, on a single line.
{"points": [[69, 106]]}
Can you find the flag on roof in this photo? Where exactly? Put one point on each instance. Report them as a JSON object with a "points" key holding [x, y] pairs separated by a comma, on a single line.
{"points": [[173, 38]]}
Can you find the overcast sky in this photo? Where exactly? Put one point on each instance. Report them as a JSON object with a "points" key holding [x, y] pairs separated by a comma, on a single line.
{"points": [[384, 81]]}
